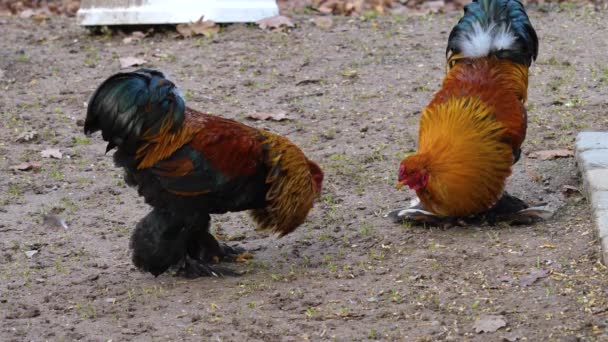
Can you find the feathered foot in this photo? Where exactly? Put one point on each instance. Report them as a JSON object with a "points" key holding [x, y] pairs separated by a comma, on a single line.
{"points": [[516, 212], [508, 209], [158, 242], [194, 268], [417, 215], [218, 251], [527, 216]]}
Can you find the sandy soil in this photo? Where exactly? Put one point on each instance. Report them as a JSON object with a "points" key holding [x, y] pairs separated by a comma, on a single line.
{"points": [[354, 93]]}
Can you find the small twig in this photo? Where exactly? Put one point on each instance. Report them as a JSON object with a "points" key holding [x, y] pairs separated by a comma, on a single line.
{"points": [[600, 311], [292, 131], [291, 98]]}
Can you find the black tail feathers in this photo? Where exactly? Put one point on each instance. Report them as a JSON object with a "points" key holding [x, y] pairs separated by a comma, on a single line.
{"points": [[127, 105], [495, 27]]}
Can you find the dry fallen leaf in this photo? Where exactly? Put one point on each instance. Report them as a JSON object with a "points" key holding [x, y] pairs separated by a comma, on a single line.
{"points": [[489, 323], [532, 277], [52, 153], [569, 190], [126, 62], [323, 22], [28, 13], [547, 245], [505, 278], [349, 73], [136, 36], [202, 27], [275, 23], [54, 221], [551, 154], [27, 136], [432, 6], [71, 8], [40, 17], [31, 253], [357, 7], [266, 116], [26, 166], [512, 336]]}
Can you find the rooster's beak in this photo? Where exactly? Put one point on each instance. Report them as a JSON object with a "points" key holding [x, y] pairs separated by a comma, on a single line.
{"points": [[399, 185]]}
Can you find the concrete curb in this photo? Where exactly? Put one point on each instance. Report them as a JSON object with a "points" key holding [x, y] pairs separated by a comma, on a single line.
{"points": [[592, 159]]}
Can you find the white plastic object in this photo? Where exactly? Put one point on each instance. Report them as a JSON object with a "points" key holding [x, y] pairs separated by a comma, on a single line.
{"points": [[155, 12]]}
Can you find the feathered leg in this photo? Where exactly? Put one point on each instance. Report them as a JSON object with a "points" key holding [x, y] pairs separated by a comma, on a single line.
{"points": [[218, 251], [508, 209], [515, 211], [158, 242], [416, 214], [202, 249]]}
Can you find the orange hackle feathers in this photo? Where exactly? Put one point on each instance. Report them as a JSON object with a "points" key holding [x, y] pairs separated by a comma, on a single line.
{"points": [[501, 84], [460, 149], [162, 144]]}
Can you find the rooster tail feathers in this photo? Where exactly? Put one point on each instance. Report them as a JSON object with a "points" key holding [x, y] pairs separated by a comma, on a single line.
{"points": [[494, 27], [128, 105]]}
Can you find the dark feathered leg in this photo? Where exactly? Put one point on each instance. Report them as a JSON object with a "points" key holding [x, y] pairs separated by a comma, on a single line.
{"points": [[203, 249], [158, 242], [218, 251], [515, 211], [509, 208]]}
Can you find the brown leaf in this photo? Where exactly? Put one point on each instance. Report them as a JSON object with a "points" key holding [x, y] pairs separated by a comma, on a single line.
{"points": [[323, 22], [275, 23], [40, 17], [26, 166], [27, 136], [569, 190], [200, 27], [134, 37], [431, 7], [349, 73], [354, 7], [127, 62], [505, 278], [72, 7], [326, 8], [52, 153], [280, 116], [512, 336], [551, 154], [28, 13], [532, 277], [489, 323], [54, 221]]}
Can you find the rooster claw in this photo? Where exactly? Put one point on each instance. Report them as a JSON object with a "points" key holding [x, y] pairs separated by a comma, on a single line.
{"points": [[530, 215], [194, 268], [414, 215], [230, 254]]}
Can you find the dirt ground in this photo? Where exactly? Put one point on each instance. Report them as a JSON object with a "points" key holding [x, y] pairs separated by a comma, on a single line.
{"points": [[354, 93]]}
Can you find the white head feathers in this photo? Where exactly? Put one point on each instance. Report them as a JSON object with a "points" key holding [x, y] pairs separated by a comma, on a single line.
{"points": [[484, 40]]}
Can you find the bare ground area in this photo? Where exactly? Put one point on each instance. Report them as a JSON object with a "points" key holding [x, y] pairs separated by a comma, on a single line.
{"points": [[354, 93]]}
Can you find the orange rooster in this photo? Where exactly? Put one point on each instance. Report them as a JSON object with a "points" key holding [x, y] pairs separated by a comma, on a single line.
{"points": [[471, 132], [188, 164]]}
